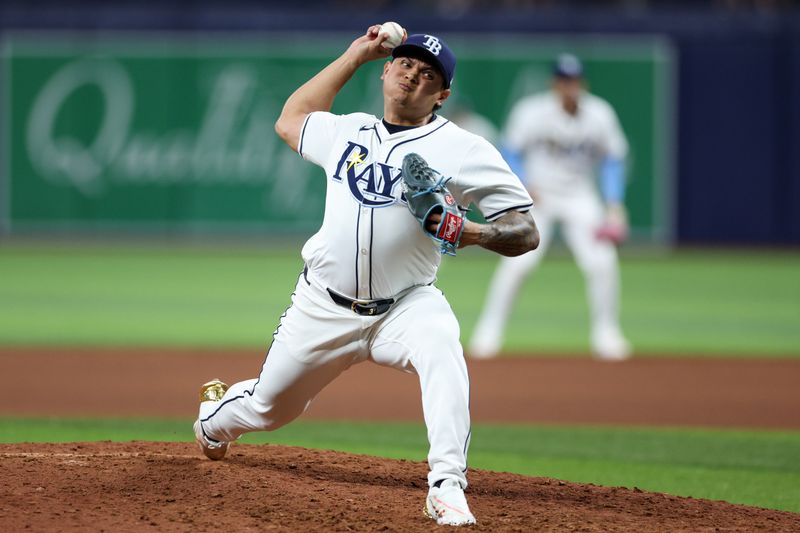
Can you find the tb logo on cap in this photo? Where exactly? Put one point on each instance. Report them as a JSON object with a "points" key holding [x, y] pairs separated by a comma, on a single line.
{"points": [[432, 44]]}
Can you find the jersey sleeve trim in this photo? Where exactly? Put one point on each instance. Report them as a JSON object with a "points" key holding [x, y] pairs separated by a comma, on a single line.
{"points": [[302, 136], [520, 208]]}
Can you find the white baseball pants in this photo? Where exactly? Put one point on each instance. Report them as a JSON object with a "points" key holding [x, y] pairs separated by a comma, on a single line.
{"points": [[317, 340]]}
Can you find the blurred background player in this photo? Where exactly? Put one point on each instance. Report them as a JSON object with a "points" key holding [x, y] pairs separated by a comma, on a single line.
{"points": [[559, 142]]}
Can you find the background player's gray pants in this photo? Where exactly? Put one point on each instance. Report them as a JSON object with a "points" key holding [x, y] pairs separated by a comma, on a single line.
{"points": [[317, 340]]}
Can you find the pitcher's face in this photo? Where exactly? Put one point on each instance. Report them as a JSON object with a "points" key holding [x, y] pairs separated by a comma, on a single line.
{"points": [[412, 85]]}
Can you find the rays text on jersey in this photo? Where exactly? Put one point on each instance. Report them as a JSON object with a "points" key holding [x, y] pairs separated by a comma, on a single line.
{"points": [[371, 183]]}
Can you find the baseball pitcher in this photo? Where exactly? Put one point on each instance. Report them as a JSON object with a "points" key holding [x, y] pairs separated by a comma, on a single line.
{"points": [[396, 187]]}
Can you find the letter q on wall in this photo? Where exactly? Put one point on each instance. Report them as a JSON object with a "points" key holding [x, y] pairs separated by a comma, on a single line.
{"points": [[69, 159]]}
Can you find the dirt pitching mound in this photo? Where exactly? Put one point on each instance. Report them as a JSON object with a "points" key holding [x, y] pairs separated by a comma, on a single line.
{"points": [[170, 487]]}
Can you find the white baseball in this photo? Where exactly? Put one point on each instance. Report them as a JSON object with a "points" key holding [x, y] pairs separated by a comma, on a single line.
{"points": [[396, 34]]}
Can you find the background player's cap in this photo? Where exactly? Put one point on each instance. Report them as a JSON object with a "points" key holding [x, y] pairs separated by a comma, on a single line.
{"points": [[568, 66], [430, 49]]}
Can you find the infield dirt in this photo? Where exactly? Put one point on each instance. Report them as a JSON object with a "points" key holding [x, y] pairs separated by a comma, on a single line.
{"points": [[682, 391], [148, 486]]}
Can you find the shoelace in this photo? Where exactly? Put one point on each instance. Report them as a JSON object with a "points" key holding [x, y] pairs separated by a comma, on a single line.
{"points": [[436, 187]]}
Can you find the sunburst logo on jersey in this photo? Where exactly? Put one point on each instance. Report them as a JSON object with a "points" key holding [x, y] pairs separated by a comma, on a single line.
{"points": [[355, 159]]}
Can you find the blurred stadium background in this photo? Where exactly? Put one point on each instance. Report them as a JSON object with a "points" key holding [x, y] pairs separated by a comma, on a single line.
{"points": [[145, 200], [129, 123], [156, 118]]}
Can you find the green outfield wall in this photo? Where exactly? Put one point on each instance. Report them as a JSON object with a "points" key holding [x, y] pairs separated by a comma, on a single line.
{"points": [[165, 134]]}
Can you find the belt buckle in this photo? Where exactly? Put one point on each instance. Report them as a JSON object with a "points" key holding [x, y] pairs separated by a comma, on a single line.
{"points": [[368, 306]]}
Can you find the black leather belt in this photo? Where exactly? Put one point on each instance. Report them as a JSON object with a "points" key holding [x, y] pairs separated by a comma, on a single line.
{"points": [[362, 307]]}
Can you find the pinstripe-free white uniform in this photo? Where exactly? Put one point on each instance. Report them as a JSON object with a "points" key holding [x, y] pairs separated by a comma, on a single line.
{"points": [[370, 247]]}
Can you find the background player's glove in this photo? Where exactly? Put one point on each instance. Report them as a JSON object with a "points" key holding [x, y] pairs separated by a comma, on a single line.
{"points": [[615, 225], [426, 194]]}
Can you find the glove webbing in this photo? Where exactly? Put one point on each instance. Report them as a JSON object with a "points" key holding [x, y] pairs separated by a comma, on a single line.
{"points": [[436, 187]]}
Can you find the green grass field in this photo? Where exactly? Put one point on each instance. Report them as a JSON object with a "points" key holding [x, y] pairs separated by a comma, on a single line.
{"points": [[710, 303], [717, 304]]}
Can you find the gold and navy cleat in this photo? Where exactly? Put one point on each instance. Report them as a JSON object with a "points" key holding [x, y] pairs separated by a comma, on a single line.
{"points": [[213, 391]]}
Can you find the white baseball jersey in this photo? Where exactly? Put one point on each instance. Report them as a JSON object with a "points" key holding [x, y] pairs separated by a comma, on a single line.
{"points": [[561, 151], [370, 246], [477, 124]]}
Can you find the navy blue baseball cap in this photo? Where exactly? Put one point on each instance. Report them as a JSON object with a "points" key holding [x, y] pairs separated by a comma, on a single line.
{"points": [[568, 66], [432, 50]]}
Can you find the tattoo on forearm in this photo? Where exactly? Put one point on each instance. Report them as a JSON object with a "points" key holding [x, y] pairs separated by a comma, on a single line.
{"points": [[513, 234]]}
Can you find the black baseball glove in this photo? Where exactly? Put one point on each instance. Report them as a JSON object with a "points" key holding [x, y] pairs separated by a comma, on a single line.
{"points": [[426, 194]]}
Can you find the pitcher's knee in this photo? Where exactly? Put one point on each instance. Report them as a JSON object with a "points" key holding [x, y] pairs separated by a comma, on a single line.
{"points": [[274, 416], [441, 359]]}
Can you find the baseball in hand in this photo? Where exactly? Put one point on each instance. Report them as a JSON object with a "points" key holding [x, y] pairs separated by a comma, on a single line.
{"points": [[396, 34]]}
